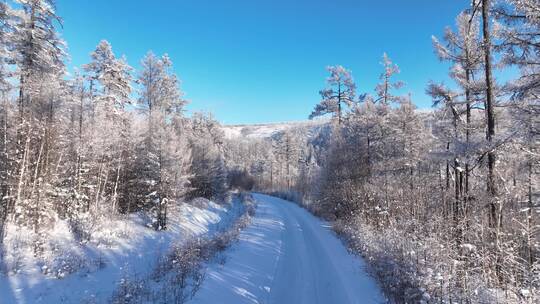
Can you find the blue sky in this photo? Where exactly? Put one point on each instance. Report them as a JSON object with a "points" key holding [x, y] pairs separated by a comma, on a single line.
{"points": [[254, 61]]}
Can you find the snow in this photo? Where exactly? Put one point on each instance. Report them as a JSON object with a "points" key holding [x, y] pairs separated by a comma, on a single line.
{"points": [[125, 248], [288, 256], [285, 256], [262, 131]]}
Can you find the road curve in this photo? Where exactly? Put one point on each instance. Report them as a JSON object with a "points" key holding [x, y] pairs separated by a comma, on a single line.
{"points": [[287, 256]]}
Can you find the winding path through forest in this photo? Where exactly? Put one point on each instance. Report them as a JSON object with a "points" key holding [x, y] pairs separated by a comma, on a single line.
{"points": [[286, 256]]}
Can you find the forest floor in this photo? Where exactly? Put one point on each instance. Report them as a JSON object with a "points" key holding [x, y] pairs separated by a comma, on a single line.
{"points": [[287, 255], [126, 248]]}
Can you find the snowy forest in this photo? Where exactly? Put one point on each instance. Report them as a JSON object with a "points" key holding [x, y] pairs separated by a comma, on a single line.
{"points": [[442, 204]]}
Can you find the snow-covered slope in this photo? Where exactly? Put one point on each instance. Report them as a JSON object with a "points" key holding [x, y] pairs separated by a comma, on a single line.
{"points": [[261, 131], [125, 248], [288, 256]]}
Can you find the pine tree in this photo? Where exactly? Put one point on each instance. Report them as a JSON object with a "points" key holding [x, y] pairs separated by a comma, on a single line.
{"points": [[40, 51], [208, 178], [340, 91], [113, 78], [463, 49], [159, 161], [384, 89]]}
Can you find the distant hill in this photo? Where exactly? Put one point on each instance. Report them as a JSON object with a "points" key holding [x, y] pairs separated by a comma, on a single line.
{"points": [[269, 130], [309, 128]]}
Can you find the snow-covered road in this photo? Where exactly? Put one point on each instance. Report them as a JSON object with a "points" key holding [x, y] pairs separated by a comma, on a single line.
{"points": [[287, 256]]}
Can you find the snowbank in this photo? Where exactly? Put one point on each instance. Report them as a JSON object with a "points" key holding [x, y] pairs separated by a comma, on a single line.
{"points": [[70, 272]]}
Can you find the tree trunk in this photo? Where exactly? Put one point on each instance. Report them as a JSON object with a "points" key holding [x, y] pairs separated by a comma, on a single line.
{"points": [[447, 168], [490, 132], [457, 200], [530, 224], [22, 171], [368, 153], [79, 157], [5, 167], [116, 182], [271, 175], [467, 142], [339, 104], [98, 182], [21, 97], [494, 219]]}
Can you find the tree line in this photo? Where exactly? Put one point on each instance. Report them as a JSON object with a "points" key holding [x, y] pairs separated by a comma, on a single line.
{"points": [[456, 189], [445, 201], [103, 141]]}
